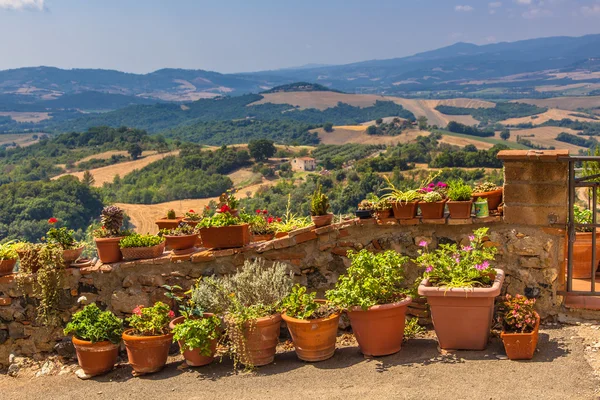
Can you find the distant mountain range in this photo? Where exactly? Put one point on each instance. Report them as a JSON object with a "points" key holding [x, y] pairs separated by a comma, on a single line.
{"points": [[510, 70]]}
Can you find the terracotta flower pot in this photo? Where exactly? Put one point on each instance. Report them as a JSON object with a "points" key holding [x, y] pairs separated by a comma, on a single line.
{"points": [[184, 242], [194, 358], [462, 317], [147, 353], [582, 254], [279, 235], [494, 198], [433, 210], [95, 358], [383, 214], [521, 346], [190, 222], [379, 330], [108, 249], [7, 266], [460, 209], [314, 339], [404, 210], [143, 253], [363, 214], [263, 238], [261, 339], [225, 237], [322, 220], [72, 255], [166, 223]]}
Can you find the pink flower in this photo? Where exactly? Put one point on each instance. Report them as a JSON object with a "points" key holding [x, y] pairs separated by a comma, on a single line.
{"points": [[485, 264], [431, 185], [429, 269], [138, 310], [457, 259], [442, 185], [467, 248], [423, 243], [471, 238], [171, 314], [479, 267]]}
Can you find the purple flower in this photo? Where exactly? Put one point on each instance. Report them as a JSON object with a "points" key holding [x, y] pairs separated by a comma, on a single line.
{"points": [[467, 248], [429, 269], [423, 243], [431, 185], [471, 238], [442, 185]]}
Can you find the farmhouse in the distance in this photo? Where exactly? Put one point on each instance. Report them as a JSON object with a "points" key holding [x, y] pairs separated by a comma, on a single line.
{"points": [[304, 164]]}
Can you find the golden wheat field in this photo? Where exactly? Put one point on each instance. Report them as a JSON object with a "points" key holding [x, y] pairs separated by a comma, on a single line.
{"points": [[20, 139], [553, 113], [546, 136], [565, 103], [34, 117], [110, 153]]}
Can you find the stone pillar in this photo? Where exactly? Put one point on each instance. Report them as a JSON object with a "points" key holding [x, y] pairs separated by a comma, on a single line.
{"points": [[536, 187]]}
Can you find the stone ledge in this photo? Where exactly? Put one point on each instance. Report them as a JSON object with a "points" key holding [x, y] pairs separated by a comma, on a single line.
{"points": [[531, 155]]}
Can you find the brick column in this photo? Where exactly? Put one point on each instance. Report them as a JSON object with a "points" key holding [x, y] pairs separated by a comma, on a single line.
{"points": [[536, 187]]}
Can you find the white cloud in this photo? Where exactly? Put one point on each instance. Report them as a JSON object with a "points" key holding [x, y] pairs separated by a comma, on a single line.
{"points": [[591, 11], [524, 2], [37, 5], [534, 13], [464, 8], [495, 4]]}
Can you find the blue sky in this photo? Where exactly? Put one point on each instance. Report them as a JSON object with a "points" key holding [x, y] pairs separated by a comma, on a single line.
{"points": [[249, 35]]}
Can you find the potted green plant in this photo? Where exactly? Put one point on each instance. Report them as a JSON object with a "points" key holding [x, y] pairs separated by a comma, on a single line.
{"points": [[404, 202], [372, 292], [312, 323], [319, 207], [365, 209], [489, 191], [196, 332], [170, 221], [223, 230], [107, 238], [140, 247], [8, 257], [228, 203], [261, 225], [383, 208], [460, 286], [249, 301], [460, 199], [182, 239], [520, 326], [148, 339], [96, 337], [289, 221], [65, 238], [433, 201], [481, 208]]}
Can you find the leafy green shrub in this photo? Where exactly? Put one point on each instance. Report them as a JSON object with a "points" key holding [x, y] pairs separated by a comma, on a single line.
{"points": [[319, 203], [7, 251], [431, 197], [137, 240], [95, 325], [151, 321], [412, 329], [371, 279], [458, 190], [517, 314], [182, 230], [302, 305], [197, 333], [583, 216], [218, 220]]}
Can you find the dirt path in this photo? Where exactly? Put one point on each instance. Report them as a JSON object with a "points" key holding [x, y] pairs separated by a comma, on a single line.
{"points": [[559, 370]]}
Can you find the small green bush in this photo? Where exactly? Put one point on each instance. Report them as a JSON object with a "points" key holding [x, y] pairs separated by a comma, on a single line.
{"points": [[137, 240], [197, 334], [459, 191], [95, 325]]}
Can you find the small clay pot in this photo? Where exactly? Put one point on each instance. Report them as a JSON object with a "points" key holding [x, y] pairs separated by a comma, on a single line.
{"points": [[147, 354], [261, 336], [460, 209], [108, 249], [95, 358], [193, 357], [69, 256], [494, 198], [7, 266], [322, 220], [434, 210], [383, 214], [404, 210], [166, 223], [521, 346]]}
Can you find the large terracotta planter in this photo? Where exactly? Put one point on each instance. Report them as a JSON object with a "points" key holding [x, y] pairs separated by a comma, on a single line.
{"points": [[225, 237], [582, 254], [108, 249], [322, 220], [379, 330], [383, 214], [143, 253], [261, 338], [494, 198], [521, 346], [314, 339], [194, 358], [147, 353], [279, 235], [404, 210], [184, 242], [7, 266], [434, 210], [462, 317], [460, 209], [166, 223], [95, 358], [71, 255]]}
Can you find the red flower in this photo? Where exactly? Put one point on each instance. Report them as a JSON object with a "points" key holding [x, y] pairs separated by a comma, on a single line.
{"points": [[52, 221], [192, 211], [278, 219], [258, 211], [265, 212], [138, 310], [225, 208], [171, 314], [270, 219], [104, 227]]}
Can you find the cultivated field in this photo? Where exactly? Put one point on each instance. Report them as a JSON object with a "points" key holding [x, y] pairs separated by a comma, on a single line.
{"points": [[108, 154], [573, 88], [107, 174], [553, 113], [565, 103], [20, 139], [545, 136], [33, 117]]}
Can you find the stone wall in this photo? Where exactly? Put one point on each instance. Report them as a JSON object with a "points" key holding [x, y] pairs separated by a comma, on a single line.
{"points": [[529, 237]]}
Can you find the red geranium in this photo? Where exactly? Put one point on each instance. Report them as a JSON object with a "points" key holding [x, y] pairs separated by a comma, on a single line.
{"points": [[171, 314], [52, 221], [278, 219], [258, 211], [225, 208], [192, 211], [270, 219], [138, 310], [265, 212]]}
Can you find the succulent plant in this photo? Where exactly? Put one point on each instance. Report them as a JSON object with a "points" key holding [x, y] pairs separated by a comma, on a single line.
{"points": [[112, 219], [485, 187], [319, 203], [171, 214]]}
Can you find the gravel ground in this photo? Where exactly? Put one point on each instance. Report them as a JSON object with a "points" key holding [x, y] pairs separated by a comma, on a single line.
{"points": [[563, 368]]}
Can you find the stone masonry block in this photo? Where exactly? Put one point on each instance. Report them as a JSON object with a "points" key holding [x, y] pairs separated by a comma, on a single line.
{"points": [[534, 215], [547, 194]]}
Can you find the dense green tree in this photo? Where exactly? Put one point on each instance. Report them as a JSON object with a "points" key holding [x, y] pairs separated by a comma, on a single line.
{"points": [[328, 127], [372, 130], [505, 134], [88, 178], [261, 149], [422, 122], [134, 150]]}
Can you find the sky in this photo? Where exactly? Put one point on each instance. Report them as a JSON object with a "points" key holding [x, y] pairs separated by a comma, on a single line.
{"points": [[227, 36]]}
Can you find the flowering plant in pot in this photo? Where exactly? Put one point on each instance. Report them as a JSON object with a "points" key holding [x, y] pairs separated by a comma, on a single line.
{"points": [[319, 208], [139, 247], [582, 247], [170, 221], [460, 286], [8, 257], [373, 294], [196, 332], [312, 324], [228, 202], [290, 221], [96, 337], [148, 339], [65, 239], [404, 202], [181, 239], [520, 326], [460, 199], [383, 208], [365, 209], [107, 238], [261, 225], [223, 230], [249, 301], [489, 191]]}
